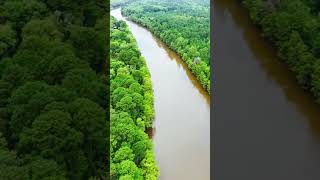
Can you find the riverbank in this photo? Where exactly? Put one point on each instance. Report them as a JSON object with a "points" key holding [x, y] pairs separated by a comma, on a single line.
{"points": [[182, 110], [132, 110], [262, 114], [294, 39], [187, 40]]}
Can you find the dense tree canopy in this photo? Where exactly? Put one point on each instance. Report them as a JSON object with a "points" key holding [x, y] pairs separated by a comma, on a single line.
{"points": [[132, 110], [53, 89], [183, 25], [118, 3]]}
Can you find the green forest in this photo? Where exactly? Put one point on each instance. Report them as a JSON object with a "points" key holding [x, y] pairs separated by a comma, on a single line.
{"points": [[131, 149], [119, 3], [294, 29], [53, 89], [183, 25]]}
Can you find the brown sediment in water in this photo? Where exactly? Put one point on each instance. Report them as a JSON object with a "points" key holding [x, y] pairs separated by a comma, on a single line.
{"points": [[182, 110], [265, 124]]}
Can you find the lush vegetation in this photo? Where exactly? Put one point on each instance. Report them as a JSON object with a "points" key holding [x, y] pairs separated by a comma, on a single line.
{"points": [[294, 28], [53, 89], [183, 25], [131, 109], [119, 3]]}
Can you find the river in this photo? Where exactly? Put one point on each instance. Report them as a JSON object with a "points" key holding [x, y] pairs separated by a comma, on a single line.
{"points": [[265, 127], [181, 133]]}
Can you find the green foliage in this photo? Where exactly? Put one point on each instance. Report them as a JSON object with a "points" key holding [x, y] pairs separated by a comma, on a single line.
{"points": [[10, 166], [293, 27], [131, 149], [90, 46], [53, 89], [30, 167], [8, 38], [40, 168], [149, 170], [42, 28], [183, 25], [49, 136], [117, 3], [84, 13], [19, 12]]}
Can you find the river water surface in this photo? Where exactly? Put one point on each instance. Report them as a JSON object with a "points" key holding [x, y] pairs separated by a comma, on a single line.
{"points": [[264, 126], [182, 110]]}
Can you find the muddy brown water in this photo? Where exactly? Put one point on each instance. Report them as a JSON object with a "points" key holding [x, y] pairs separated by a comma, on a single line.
{"points": [[265, 127], [182, 110]]}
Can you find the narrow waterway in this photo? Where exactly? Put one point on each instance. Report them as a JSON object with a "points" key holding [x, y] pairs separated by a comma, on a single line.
{"points": [[182, 110], [265, 126]]}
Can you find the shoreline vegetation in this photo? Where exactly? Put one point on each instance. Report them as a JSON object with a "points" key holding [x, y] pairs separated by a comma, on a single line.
{"points": [[132, 111], [293, 27], [184, 28]]}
